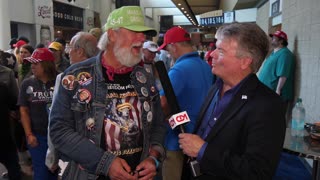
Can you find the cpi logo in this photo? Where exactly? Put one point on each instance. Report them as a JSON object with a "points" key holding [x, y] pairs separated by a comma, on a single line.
{"points": [[182, 118]]}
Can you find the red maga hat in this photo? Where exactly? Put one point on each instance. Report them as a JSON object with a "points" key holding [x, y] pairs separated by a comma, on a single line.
{"points": [[173, 35], [39, 55], [19, 43], [280, 34]]}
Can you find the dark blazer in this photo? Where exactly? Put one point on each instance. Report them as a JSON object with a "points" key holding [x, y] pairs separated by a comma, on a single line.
{"points": [[247, 139]]}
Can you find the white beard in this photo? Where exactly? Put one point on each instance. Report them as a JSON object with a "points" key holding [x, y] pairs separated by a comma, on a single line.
{"points": [[125, 57]]}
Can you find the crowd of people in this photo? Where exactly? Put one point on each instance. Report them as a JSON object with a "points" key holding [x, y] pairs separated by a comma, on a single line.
{"points": [[97, 110]]}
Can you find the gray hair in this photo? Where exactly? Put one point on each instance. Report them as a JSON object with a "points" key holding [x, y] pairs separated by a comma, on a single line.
{"points": [[251, 39], [86, 41], [104, 40]]}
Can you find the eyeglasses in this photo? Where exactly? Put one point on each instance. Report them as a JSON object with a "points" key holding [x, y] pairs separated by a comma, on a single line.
{"points": [[71, 47]]}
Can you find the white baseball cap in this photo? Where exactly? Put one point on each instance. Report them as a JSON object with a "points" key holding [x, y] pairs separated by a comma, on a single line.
{"points": [[151, 46]]}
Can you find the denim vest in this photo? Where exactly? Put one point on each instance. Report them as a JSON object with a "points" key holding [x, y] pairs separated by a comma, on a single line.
{"points": [[76, 126]]}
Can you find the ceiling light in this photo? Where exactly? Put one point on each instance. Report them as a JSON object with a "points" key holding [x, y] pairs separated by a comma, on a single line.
{"points": [[185, 9]]}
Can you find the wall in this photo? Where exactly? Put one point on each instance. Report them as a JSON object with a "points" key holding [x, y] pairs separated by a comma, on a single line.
{"points": [[20, 11], [5, 25], [263, 17], [301, 22], [246, 15], [84, 4], [105, 7], [25, 15]]}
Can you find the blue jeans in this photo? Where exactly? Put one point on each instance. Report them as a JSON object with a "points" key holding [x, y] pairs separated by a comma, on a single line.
{"points": [[38, 155]]}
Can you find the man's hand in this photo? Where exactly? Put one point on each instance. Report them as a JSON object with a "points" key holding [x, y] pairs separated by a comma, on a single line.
{"points": [[119, 169], [146, 169], [54, 168], [190, 144], [32, 140]]}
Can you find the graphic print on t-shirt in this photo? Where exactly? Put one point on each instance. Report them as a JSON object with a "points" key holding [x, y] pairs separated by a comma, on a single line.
{"points": [[122, 120], [38, 96]]}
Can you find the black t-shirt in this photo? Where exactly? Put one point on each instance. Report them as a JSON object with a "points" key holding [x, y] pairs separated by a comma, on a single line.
{"points": [[37, 96], [122, 123]]}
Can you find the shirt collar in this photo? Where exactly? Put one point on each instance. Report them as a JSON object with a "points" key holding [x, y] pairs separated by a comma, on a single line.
{"points": [[187, 55], [235, 88]]}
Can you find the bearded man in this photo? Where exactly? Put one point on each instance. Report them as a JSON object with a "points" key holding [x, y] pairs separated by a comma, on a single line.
{"points": [[91, 134]]}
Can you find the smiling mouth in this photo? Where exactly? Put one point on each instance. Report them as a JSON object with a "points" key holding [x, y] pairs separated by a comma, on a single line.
{"points": [[137, 46]]}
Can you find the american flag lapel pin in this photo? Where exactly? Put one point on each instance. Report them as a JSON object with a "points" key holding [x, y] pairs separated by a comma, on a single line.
{"points": [[244, 97]]}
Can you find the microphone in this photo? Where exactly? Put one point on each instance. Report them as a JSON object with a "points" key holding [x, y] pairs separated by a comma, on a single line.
{"points": [[177, 118]]}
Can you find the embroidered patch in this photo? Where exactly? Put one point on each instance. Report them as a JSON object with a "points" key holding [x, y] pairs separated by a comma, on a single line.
{"points": [[84, 78], [149, 116], [141, 77], [153, 89], [144, 91], [148, 69], [84, 96], [90, 123], [146, 106], [68, 82]]}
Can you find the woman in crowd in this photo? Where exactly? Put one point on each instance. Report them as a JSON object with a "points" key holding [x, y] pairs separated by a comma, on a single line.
{"points": [[25, 66], [35, 100]]}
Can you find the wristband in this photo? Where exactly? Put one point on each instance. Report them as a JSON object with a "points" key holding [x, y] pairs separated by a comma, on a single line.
{"points": [[155, 161]]}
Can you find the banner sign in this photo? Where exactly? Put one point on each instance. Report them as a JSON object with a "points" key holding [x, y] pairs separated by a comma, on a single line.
{"points": [[67, 16], [211, 20]]}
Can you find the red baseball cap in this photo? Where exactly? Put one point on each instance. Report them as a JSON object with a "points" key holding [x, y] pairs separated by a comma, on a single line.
{"points": [[173, 35], [280, 34], [19, 43], [39, 55]]}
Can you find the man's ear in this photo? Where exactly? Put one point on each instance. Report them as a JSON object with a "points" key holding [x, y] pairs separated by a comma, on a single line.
{"points": [[246, 62], [82, 52], [111, 35]]}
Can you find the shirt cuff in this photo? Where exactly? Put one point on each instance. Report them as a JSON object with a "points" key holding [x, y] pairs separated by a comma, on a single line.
{"points": [[161, 92], [201, 152]]}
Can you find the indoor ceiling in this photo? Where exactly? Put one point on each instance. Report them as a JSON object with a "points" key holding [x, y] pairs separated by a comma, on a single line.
{"points": [[202, 6], [194, 8]]}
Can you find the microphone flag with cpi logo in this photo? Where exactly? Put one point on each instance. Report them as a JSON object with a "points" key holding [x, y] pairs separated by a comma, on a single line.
{"points": [[178, 119]]}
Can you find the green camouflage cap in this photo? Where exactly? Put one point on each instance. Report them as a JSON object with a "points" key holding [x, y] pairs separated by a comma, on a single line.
{"points": [[129, 17]]}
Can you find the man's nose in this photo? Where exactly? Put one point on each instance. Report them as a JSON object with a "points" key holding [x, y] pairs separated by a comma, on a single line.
{"points": [[214, 53]]}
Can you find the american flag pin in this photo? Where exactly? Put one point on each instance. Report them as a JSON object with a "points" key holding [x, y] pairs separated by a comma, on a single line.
{"points": [[244, 97]]}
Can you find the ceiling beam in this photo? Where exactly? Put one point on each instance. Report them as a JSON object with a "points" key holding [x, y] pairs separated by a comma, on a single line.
{"points": [[185, 9]]}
